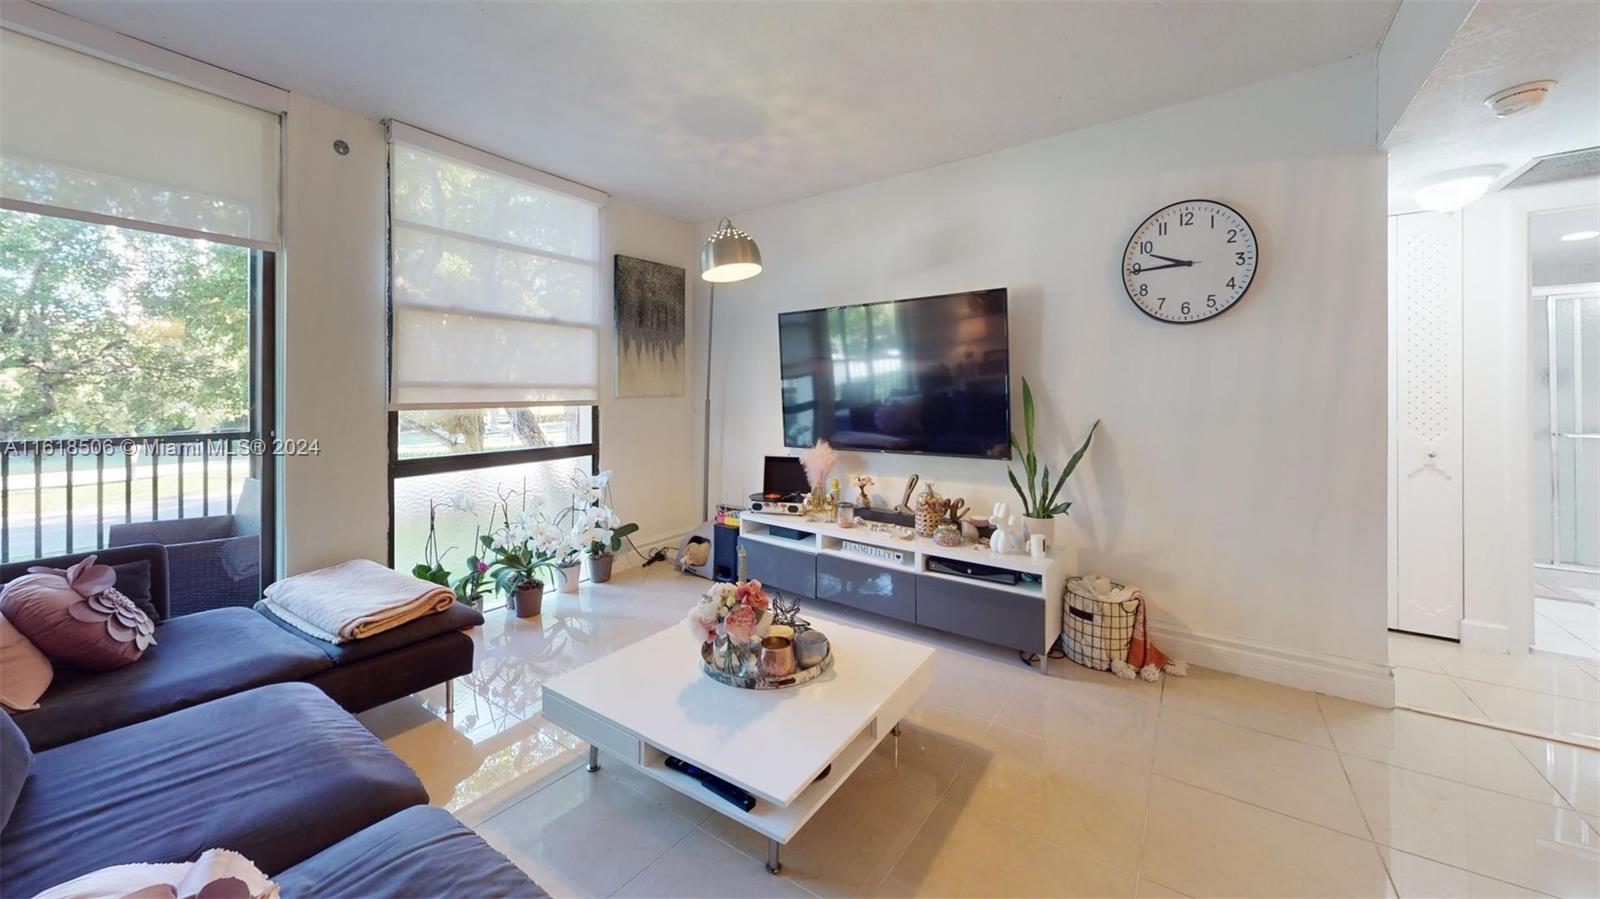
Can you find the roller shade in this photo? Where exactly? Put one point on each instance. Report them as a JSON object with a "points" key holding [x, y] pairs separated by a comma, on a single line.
{"points": [[85, 138], [494, 279]]}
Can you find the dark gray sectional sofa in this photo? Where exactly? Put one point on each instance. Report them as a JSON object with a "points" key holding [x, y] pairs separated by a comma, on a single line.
{"points": [[207, 742], [219, 652], [280, 774]]}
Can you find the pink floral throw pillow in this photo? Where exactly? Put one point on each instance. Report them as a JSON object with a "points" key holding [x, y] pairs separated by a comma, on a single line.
{"points": [[78, 616]]}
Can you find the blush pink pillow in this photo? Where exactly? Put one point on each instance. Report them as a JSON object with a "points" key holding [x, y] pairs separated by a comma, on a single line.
{"points": [[25, 672], [78, 616]]}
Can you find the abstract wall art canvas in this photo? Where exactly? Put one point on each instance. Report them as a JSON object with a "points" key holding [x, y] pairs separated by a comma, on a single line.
{"points": [[650, 328]]}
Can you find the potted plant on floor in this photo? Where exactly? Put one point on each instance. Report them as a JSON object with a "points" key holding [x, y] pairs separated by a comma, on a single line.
{"points": [[521, 553], [1039, 500], [603, 552]]}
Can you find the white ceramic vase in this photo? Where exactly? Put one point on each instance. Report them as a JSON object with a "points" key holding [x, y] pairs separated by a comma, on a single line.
{"points": [[569, 577], [1045, 526]]}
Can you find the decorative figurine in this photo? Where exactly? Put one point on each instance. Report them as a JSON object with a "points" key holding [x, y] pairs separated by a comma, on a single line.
{"points": [[905, 500], [930, 509], [864, 484]]}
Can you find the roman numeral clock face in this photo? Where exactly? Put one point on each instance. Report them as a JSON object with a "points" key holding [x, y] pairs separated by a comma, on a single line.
{"points": [[1189, 262]]}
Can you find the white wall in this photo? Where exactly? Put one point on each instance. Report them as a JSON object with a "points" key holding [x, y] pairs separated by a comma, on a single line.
{"points": [[335, 506], [1239, 475], [649, 443], [331, 334]]}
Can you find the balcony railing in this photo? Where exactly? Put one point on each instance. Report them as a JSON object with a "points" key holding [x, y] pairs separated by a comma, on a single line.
{"points": [[61, 495]]}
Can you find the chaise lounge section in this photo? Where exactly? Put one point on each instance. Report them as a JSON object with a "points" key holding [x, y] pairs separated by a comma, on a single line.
{"points": [[220, 652]]}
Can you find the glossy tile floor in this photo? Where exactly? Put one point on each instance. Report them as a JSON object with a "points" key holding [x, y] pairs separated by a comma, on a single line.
{"points": [[1566, 626], [1543, 693], [1005, 782]]}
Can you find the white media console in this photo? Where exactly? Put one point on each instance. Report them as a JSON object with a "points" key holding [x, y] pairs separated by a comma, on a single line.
{"points": [[898, 582]]}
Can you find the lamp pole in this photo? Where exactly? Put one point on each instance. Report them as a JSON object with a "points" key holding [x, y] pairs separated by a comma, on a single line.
{"points": [[705, 454]]}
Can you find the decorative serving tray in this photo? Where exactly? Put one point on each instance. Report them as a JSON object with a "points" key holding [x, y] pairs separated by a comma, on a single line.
{"points": [[759, 682]]}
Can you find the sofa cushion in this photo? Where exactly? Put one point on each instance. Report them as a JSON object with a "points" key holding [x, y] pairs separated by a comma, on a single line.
{"points": [[458, 617], [133, 581], [195, 658], [152, 554], [15, 761], [25, 672], [276, 774], [422, 851]]}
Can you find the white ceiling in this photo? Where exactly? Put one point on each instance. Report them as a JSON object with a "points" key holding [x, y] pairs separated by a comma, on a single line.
{"points": [[696, 110], [1502, 43]]}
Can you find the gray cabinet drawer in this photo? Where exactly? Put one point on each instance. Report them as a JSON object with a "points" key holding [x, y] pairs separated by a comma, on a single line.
{"points": [[790, 570], [871, 588], [993, 616]]}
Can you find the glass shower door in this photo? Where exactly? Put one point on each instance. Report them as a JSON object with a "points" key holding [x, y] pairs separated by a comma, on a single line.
{"points": [[1572, 421]]}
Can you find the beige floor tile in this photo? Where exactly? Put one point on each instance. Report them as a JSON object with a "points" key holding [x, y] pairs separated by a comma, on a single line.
{"points": [[1530, 844], [1537, 672], [1574, 771], [966, 693], [1283, 775], [1095, 712], [701, 865], [1416, 877], [1203, 844], [961, 853], [1572, 719], [588, 832], [1149, 889], [851, 843], [1407, 651], [1473, 754], [1255, 704], [1433, 692], [921, 758], [1089, 804]]}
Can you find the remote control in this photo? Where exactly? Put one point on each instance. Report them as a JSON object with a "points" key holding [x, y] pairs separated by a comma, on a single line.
{"points": [[713, 783]]}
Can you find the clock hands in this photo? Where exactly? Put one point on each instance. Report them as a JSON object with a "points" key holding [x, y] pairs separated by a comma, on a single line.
{"points": [[1171, 263]]}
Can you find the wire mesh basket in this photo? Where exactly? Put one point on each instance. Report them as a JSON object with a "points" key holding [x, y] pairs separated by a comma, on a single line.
{"points": [[1094, 631]]}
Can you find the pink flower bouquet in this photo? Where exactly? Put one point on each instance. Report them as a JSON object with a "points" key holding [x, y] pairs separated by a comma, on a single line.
{"points": [[732, 617]]}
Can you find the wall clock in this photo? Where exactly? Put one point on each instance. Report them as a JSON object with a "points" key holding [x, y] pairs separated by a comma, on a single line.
{"points": [[1189, 262]]}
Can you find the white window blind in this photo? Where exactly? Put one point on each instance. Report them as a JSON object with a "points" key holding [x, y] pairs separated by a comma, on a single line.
{"points": [[88, 139], [494, 286]]}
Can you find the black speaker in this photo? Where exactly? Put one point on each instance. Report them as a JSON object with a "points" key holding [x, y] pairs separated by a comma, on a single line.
{"points": [[725, 553]]}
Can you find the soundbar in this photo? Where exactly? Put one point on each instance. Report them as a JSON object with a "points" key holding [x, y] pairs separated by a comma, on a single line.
{"points": [[713, 783], [975, 571]]}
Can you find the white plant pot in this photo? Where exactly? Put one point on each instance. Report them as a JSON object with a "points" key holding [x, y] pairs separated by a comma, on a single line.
{"points": [[569, 577], [1045, 526]]}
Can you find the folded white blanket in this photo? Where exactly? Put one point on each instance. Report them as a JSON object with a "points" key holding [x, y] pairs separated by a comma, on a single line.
{"points": [[354, 599]]}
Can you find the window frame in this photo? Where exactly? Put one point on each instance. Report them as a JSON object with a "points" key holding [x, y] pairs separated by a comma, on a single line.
{"points": [[400, 469]]}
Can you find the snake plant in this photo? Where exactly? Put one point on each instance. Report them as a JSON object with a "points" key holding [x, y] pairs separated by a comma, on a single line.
{"points": [[1039, 498]]}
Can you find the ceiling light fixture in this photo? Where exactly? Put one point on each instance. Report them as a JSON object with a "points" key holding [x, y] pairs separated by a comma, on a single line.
{"points": [[1581, 235], [1449, 191], [1521, 98]]}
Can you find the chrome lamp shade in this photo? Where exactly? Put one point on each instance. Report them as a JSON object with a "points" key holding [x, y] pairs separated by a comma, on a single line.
{"points": [[729, 255]]}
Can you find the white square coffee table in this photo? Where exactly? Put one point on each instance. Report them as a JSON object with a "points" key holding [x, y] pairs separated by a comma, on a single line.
{"points": [[648, 701]]}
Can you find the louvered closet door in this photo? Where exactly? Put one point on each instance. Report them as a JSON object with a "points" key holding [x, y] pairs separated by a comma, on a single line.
{"points": [[1427, 283]]}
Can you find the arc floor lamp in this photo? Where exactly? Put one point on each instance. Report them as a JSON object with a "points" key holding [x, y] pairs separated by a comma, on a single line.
{"points": [[729, 255]]}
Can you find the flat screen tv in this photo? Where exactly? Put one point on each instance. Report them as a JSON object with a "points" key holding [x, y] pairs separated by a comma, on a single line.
{"points": [[928, 375]]}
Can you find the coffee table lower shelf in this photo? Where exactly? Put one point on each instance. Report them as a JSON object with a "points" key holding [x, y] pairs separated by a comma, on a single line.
{"points": [[778, 823]]}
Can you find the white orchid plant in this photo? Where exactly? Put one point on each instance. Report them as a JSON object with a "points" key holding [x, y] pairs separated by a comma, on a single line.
{"points": [[550, 536]]}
